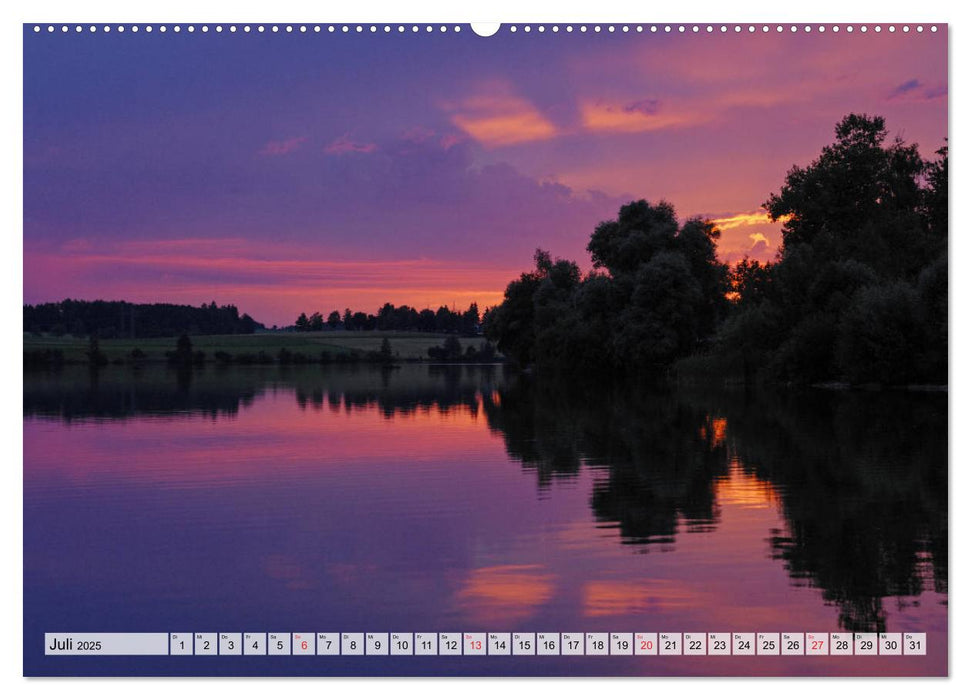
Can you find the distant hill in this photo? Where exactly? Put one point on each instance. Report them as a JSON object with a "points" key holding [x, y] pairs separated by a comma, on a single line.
{"points": [[121, 319]]}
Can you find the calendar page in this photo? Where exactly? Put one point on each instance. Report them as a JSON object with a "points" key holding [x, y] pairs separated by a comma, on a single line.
{"points": [[436, 349]]}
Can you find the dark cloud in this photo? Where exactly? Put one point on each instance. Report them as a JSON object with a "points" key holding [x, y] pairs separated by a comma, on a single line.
{"points": [[915, 90], [647, 107], [904, 89]]}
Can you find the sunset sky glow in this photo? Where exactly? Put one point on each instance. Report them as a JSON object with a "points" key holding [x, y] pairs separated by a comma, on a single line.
{"points": [[302, 172]]}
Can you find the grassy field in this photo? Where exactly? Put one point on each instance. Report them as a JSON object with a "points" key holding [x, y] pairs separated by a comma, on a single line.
{"points": [[407, 346]]}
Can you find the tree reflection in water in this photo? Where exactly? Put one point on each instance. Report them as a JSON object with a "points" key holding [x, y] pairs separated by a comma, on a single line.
{"points": [[861, 478]]}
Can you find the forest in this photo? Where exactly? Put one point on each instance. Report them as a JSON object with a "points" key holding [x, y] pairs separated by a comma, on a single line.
{"points": [[395, 318], [122, 319], [858, 292]]}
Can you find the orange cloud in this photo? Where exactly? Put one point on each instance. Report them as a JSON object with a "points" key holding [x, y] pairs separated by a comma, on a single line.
{"points": [[500, 119], [752, 218], [741, 241]]}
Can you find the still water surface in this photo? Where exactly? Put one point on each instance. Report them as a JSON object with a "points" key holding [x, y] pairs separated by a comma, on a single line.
{"points": [[468, 499]]}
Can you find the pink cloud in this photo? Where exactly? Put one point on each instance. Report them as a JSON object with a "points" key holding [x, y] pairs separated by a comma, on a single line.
{"points": [[497, 117], [272, 282], [343, 145], [640, 115], [282, 148], [449, 140]]}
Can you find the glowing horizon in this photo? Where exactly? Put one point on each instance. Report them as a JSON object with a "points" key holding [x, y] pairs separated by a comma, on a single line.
{"points": [[280, 181]]}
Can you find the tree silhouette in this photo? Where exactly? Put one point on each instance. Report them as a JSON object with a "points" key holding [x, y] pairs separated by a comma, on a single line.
{"points": [[661, 297], [863, 224], [860, 199], [512, 322]]}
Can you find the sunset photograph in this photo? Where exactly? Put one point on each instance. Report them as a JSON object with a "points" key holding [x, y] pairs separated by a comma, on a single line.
{"points": [[610, 350]]}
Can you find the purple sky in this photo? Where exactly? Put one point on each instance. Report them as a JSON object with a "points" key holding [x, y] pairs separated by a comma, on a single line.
{"points": [[303, 172]]}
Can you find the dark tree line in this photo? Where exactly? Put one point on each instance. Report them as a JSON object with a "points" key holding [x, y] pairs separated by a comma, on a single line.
{"points": [[120, 319], [857, 293], [396, 318]]}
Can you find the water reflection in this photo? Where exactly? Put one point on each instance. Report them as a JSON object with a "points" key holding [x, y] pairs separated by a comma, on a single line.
{"points": [[78, 394], [511, 592], [860, 479], [864, 484]]}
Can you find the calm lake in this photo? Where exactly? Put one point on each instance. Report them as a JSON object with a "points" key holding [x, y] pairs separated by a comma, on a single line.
{"points": [[471, 499]]}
